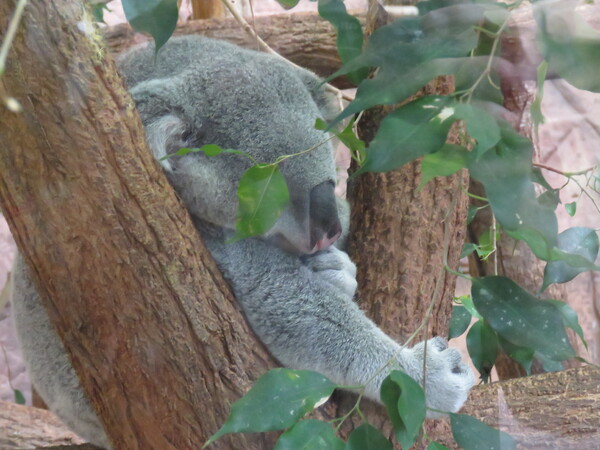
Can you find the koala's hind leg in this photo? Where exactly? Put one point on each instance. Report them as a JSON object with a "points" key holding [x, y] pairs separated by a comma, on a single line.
{"points": [[48, 364]]}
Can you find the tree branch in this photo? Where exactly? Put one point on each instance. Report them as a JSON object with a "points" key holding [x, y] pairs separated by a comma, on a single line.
{"points": [[85, 199]]}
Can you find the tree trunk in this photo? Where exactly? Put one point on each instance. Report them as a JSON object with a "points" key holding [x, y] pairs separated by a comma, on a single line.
{"points": [[78, 151], [205, 9], [399, 240]]}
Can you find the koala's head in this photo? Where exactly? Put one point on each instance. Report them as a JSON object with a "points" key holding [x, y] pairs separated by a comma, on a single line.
{"points": [[202, 91]]}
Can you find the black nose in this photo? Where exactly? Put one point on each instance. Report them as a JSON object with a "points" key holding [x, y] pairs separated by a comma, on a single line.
{"points": [[325, 225]]}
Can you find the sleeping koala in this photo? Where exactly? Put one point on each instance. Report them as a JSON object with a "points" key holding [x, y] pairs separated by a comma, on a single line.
{"points": [[295, 287]]}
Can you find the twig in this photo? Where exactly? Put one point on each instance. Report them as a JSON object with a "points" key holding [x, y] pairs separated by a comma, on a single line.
{"points": [[560, 172], [266, 48], [10, 33]]}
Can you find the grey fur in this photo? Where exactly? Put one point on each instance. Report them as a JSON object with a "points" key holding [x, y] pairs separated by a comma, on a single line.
{"points": [[300, 305]]}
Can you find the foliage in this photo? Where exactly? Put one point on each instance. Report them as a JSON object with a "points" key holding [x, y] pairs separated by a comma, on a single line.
{"points": [[449, 37], [98, 8], [277, 401], [155, 17], [282, 397]]}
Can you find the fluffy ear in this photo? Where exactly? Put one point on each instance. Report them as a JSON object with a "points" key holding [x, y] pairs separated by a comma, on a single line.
{"points": [[166, 131], [328, 103]]}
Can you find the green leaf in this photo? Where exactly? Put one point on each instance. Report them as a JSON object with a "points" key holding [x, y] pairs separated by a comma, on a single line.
{"points": [[277, 400], [209, 150], [482, 344], [481, 126], [486, 244], [467, 302], [446, 161], [366, 437], [98, 9], [472, 434], [467, 249], [522, 355], [461, 318], [472, 212], [309, 434], [404, 400], [413, 130], [436, 446], [19, 397], [263, 195], [349, 34], [288, 4], [570, 319], [350, 140], [538, 177], [346, 136], [573, 241], [411, 51], [536, 106], [550, 198], [550, 365], [571, 208], [520, 318], [155, 17], [506, 174], [569, 44]]}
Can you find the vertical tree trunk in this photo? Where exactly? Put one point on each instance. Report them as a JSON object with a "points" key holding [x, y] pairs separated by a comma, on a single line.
{"points": [[122, 272], [399, 240], [205, 9]]}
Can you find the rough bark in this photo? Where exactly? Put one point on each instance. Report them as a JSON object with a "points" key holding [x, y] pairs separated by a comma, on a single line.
{"points": [[394, 226], [399, 239], [205, 9], [24, 427], [557, 410], [78, 151]]}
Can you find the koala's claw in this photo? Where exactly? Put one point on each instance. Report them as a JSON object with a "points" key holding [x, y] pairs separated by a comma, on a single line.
{"points": [[448, 379], [334, 267]]}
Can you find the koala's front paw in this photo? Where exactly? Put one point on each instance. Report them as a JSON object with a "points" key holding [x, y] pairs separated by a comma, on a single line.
{"points": [[334, 267], [448, 379]]}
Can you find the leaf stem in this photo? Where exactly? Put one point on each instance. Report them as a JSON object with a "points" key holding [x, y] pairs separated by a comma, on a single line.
{"points": [[488, 68], [476, 197], [564, 174]]}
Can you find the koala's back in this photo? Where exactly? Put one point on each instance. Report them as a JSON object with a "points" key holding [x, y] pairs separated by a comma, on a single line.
{"points": [[181, 54]]}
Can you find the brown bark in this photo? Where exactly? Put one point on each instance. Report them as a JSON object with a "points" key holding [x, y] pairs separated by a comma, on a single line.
{"points": [[399, 239], [25, 427], [557, 410], [205, 9], [85, 199]]}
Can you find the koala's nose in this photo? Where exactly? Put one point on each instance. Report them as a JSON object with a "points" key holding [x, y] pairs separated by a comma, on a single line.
{"points": [[325, 225]]}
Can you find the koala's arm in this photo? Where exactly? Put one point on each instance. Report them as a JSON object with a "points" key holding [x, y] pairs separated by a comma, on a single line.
{"points": [[302, 309]]}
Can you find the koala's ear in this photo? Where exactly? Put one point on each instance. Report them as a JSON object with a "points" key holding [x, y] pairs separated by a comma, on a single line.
{"points": [[166, 130], [328, 102]]}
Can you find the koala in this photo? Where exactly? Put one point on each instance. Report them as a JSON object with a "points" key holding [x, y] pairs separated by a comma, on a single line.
{"points": [[294, 285]]}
